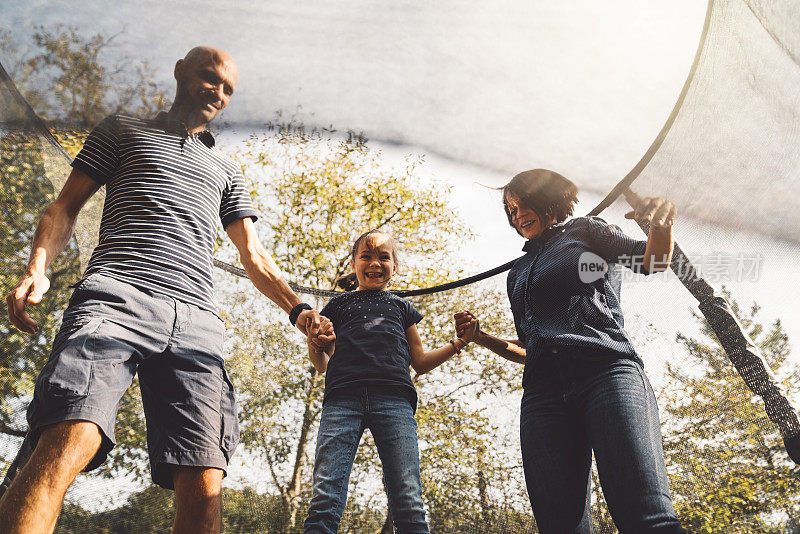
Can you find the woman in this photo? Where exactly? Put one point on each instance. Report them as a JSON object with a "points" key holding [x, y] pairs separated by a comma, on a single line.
{"points": [[584, 388]]}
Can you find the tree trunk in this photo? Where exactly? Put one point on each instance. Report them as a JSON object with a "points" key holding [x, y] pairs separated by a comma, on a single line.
{"points": [[388, 526], [486, 512], [295, 486]]}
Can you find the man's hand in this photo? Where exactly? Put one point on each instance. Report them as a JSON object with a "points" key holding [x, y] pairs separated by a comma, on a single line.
{"points": [[29, 290], [308, 322], [51, 236], [325, 336]]}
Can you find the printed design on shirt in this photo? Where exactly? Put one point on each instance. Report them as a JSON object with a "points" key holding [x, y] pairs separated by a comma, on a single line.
{"points": [[166, 194], [372, 323]]}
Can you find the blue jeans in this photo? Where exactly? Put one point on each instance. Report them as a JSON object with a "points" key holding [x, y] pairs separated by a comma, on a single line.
{"points": [[389, 416], [580, 402]]}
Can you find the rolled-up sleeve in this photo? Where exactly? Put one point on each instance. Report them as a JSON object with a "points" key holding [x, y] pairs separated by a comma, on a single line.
{"points": [[236, 203]]}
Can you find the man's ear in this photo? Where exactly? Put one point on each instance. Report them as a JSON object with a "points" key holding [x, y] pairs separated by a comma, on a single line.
{"points": [[180, 65]]}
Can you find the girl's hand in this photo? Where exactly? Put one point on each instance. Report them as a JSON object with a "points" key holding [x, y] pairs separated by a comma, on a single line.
{"points": [[324, 337], [659, 212], [467, 325]]}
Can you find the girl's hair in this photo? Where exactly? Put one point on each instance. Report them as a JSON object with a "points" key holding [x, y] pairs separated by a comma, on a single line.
{"points": [[547, 193], [350, 282]]}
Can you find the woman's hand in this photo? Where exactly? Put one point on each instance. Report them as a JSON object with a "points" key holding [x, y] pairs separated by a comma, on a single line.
{"points": [[660, 213], [467, 325], [469, 329], [657, 211]]}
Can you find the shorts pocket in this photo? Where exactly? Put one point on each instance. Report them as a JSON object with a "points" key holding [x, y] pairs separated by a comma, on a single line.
{"points": [[229, 433], [68, 372]]}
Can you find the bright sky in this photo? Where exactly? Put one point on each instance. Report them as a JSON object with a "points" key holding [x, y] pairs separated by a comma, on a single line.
{"points": [[581, 86]]}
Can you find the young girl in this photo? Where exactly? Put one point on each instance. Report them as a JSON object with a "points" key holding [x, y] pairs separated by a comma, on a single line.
{"points": [[368, 385]]}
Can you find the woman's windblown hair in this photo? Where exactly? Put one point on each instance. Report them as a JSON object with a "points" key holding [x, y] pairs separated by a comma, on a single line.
{"points": [[547, 193]]}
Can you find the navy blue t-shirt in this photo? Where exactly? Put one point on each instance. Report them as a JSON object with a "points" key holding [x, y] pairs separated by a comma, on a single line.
{"points": [[554, 302], [371, 345]]}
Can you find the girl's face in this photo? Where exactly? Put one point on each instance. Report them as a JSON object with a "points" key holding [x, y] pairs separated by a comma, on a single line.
{"points": [[374, 262], [525, 220]]}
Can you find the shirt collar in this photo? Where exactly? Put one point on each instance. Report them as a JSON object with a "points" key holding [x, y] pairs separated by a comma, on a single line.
{"points": [[175, 126], [541, 239]]}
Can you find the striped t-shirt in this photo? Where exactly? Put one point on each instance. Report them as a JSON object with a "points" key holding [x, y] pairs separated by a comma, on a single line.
{"points": [[165, 192]]}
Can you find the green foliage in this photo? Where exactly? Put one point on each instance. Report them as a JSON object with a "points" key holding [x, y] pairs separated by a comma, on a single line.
{"points": [[72, 80], [728, 468], [150, 511], [24, 194]]}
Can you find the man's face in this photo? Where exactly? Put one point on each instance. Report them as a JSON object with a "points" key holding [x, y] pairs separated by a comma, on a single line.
{"points": [[206, 85]]}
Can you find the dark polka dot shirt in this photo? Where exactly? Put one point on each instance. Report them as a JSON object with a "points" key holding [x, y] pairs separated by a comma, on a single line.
{"points": [[561, 295]]}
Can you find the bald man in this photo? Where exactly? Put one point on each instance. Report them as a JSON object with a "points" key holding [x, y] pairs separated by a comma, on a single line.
{"points": [[144, 305]]}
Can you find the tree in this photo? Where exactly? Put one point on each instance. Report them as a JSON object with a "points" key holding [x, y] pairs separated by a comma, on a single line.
{"points": [[728, 469], [24, 193], [72, 81]]}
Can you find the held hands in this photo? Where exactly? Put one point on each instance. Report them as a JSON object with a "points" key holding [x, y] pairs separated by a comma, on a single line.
{"points": [[467, 326], [29, 290], [659, 212], [309, 322], [323, 338]]}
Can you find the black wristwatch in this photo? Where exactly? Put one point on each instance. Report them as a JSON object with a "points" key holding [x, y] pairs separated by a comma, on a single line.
{"points": [[295, 312]]}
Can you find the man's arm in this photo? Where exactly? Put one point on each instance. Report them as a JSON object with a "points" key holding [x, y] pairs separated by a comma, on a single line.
{"points": [[265, 274], [52, 234]]}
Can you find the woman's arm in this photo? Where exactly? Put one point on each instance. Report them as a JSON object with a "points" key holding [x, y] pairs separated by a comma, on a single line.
{"points": [[658, 254], [510, 349]]}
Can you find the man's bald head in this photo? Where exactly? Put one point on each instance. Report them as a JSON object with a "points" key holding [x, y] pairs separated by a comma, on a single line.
{"points": [[206, 79], [202, 55]]}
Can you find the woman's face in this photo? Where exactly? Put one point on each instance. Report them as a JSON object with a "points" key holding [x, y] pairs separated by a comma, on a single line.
{"points": [[525, 220]]}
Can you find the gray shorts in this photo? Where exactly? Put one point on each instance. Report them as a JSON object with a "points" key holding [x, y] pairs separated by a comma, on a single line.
{"points": [[112, 330]]}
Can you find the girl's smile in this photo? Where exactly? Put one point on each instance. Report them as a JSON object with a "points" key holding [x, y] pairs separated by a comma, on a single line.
{"points": [[374, 262]]}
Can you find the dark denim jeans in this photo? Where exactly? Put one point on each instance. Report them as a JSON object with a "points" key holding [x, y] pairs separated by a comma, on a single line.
{"points": [[388, 414], [580, 402]]}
